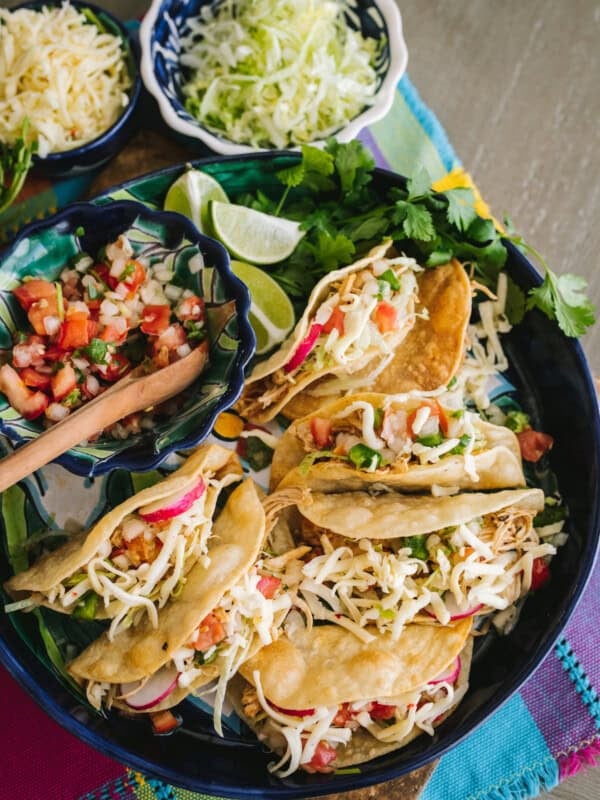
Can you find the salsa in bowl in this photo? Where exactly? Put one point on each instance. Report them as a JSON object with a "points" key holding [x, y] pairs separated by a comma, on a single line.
{"points": [[98, 291]]}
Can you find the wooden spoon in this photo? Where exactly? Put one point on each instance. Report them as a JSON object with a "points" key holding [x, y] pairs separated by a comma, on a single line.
{"points": [[135, 392]]}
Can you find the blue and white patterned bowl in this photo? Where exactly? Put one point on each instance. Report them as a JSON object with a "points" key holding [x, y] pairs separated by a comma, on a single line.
{"points": [[44, 248], [167, 21]]}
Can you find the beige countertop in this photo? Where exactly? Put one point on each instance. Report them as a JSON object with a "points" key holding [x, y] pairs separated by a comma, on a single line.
{"points": [[516, 85]]}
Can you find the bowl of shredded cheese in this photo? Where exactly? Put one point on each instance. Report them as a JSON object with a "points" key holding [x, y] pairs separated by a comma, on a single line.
{"points": [[70, 76], [246, 75]]}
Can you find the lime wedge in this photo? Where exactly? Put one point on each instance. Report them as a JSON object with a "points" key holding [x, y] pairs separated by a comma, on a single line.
{"points": [[271, 312], [191, 194], [252, 235]]}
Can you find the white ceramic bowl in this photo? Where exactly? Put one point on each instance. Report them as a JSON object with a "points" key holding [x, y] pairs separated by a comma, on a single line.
{"points": [[160, 39]]}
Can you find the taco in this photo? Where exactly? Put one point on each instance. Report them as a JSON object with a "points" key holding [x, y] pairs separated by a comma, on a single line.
{"points": [[354, 320], [404, 442], [136, 556], [325, 700], [384, 561], [225, 611], [426, 359]]}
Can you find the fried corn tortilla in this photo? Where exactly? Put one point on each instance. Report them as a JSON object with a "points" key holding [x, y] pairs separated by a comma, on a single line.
{"points": [[426, 359], [140, 651], [391, 515], [327, 668], [361, 347], [305, 456], [212, 465]]}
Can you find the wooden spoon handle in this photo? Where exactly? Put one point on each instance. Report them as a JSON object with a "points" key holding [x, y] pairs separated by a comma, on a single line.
{"points": [[134, 392]]}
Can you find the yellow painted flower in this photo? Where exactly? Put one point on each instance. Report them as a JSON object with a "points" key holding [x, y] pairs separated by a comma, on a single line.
{"points": [[459, 179]]}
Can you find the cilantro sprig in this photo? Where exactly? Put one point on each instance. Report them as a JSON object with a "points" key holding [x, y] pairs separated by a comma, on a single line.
{"points": [[332, 193], [15, 163]]}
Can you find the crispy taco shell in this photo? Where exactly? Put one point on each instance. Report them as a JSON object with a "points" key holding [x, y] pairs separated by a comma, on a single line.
{"points": [[142, 650], [209, 461], [329, 665], [358, 515], [266, 391], [498, 464], [362, 746], [426, 359]]}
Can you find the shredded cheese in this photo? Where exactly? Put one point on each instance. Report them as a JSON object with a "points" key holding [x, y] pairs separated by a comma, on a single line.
{"points": [[62, 73]]}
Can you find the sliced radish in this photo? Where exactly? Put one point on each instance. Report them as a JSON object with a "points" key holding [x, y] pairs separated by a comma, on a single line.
{"points": [[457, 612], [169, 507], [305, 346], [150, 694], [451, 674]]}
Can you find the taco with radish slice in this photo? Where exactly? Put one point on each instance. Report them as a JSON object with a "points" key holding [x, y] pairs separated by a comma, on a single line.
{"points": [[404, 442], [353, 329], [323, 700], [137, 555], [426, 359], [377, 563], [225, 611]]}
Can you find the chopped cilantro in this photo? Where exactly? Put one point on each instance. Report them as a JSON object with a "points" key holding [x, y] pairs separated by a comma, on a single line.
{"points": [[72, 398], [96, 351], [127, 272], [378, 418], [196, 332], [551, 513], [389, 276]]}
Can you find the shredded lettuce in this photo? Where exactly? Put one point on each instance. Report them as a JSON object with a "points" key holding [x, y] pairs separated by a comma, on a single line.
{"points": [[277, 72]]}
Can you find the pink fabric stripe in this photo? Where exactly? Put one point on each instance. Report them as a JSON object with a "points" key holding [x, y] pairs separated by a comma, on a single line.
{"points": [[45, 761]]}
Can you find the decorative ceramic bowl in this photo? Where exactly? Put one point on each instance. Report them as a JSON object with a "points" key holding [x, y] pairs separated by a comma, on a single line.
{"points": [[168, 20], [553, 384], [43, 249], [100, 150]]}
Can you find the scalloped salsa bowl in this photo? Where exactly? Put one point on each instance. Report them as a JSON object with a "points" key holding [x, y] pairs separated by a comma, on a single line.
{"points": [[43, 249]]}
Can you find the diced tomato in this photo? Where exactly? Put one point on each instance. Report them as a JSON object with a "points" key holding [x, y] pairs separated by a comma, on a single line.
{"points": [[55, 353], [114, 334], [344, 715], [435, 410], [92, 329], [34, 379], [336, 320], [534, 444], [117, 367], [164, 722], [322, 432], [155, 319], [136, 278], [74, 331], [38, 311], [210, 631], [268, 586], [323, 756], [31, 291], [63, 382], [540, 573], [172, 337], [29, 404], [382, 711], [103, 272], [385, 317], [191, 308]]}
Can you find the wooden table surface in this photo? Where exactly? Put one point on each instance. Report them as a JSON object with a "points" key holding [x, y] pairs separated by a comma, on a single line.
{"points": [[516, 85]]}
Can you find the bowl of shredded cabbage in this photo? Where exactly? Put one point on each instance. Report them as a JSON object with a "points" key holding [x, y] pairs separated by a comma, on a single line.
{"points": [[244, 75], [70, 87]]}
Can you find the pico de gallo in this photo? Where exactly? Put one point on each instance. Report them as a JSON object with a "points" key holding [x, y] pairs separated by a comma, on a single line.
{"points": [[90, 327]]}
